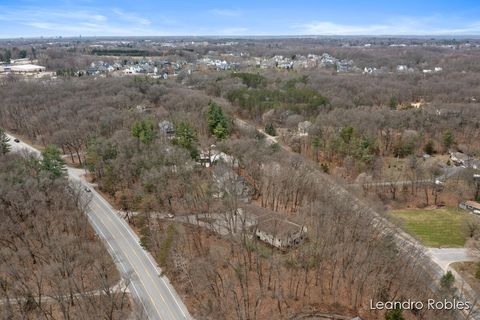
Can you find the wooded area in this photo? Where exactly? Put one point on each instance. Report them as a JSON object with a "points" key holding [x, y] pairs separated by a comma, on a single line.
{"points": [[148, 145], [51, 263]]}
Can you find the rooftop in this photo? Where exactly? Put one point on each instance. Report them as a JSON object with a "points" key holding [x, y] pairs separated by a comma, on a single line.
{"points": [[270, 222], [473, 204]]}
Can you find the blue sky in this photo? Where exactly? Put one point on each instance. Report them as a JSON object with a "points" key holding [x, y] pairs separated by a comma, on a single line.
{"points": [[35, 18]]}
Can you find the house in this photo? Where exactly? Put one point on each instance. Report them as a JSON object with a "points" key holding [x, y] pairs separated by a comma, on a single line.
{"points": [[91, 71], [226, 182], [303, 128], [167, 128], [280, 233], [211, 157], [474, 164], [472, 206], [370, 70], [460, 159], [273, 228]]}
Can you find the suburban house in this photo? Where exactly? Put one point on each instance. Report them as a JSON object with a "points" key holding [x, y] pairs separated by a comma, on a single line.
{"points": [[472, 206], [273, 228], [226, 182], [212, 156]]}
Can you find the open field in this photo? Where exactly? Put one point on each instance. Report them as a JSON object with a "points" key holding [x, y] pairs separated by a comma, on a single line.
{"points": [[434, 227]]}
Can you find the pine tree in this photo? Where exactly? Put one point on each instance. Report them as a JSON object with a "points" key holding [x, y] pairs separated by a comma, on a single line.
{"points": [[270, 129], [52, 161], [395, 314], [448, 139], [217, 121], [186, 138], [144, 131], [4, 142]]}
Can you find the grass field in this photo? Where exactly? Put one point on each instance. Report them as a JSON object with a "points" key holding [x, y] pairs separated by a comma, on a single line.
{"points": [[435, 228]]}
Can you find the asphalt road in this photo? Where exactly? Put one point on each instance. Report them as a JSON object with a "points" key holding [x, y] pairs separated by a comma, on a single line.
{"points": [[152, 290]]}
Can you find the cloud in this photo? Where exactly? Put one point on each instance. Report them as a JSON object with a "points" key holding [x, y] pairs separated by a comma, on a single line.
{"points": [[73, 21], [397, 26], [131, 17], [226, 12]]}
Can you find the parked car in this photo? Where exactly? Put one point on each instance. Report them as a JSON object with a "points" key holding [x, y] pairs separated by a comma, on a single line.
{"points": [[16, 140], [87, 189]]}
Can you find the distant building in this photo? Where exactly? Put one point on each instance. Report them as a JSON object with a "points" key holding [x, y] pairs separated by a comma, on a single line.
{"points": [[402, 68], [24, 69]]}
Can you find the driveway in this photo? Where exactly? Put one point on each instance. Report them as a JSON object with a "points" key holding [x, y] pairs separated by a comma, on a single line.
{"points": [[445, 256]]}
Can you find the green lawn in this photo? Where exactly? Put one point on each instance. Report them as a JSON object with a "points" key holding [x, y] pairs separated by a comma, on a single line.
{"points": [[435, 228]]}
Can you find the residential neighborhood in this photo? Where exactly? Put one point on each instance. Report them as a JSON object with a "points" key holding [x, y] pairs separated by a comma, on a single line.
{"points": [[247, 161]]}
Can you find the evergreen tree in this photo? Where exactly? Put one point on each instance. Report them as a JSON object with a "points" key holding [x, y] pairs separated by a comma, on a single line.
{"points": [[447, 281], [395, 314], [270, 129], [429, 148], [186, 138], [144, 131], [4, 142], [393, 103], [52, 161], [315, 146], [217, 121], [346, 133], [448, 139]]}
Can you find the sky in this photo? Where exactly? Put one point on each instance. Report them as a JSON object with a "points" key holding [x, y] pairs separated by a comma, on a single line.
{"points": [[52, 18]]}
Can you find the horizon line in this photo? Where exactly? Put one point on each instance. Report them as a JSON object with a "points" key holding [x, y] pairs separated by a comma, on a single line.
{"points": [[248, 36]]}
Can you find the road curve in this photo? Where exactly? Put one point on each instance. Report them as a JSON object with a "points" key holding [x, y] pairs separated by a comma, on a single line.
{"points": [[152, 290]]}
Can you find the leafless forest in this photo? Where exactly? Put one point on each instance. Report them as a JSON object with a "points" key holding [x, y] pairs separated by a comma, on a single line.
{"points": [[110, 126], [52, 265]]}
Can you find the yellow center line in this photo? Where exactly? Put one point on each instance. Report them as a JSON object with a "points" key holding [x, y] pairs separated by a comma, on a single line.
{"points": [[142, 263]]}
